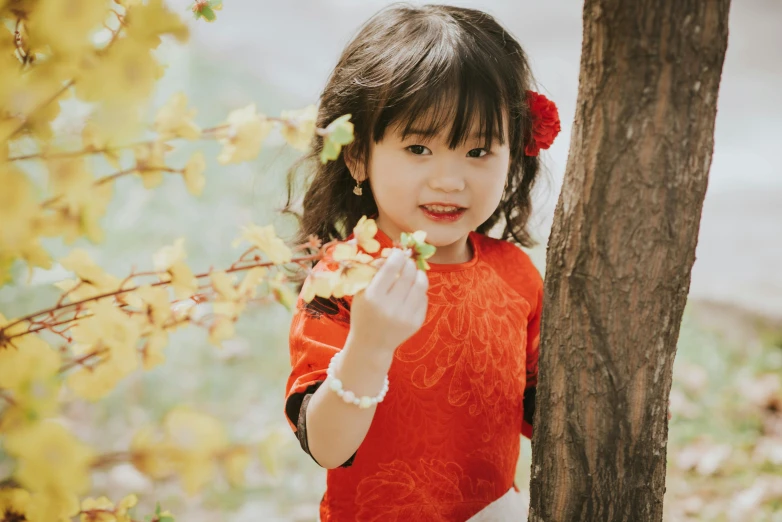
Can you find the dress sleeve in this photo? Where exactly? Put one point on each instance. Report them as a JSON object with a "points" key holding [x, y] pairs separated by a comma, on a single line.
{"points": [[318, 331], [533, 343]]}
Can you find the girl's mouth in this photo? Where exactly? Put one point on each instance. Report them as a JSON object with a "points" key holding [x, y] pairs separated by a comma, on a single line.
{"points": [[443, 213]]}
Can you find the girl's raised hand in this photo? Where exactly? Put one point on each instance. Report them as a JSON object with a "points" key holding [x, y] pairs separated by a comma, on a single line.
{"points": [[391, 309]]}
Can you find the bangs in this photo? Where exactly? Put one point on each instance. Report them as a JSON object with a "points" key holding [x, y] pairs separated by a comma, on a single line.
{"points": [[447, 87]]}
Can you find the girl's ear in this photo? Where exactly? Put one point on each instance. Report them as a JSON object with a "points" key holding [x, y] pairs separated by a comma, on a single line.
{"points": [[355, 165]]}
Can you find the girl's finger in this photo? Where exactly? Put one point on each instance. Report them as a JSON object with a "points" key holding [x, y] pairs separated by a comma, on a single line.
{"points": [[418, 288], [404, 283], [387, 275]]}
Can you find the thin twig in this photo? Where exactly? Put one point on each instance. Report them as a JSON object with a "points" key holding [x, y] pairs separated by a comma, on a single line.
{"points": [[112, 177], [81, 360], [122, 291], [7, 398], [40, 106], [24, 119]]}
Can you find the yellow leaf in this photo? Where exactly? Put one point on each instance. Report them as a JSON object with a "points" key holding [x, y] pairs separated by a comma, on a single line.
{"points": [[66, 26], [146, 22], [242, 135], [94, 139], [229, 309], [364, 232], [151, 163], [183, 281], [101, 505], [266, 240], [158, 304], [175, 120], [282, 292], [168, 256], [299, 126], [28, 358], [235, 465], [96, 382], [118, 123], [33, 401], [222, 329], [113, 329], [357, 278], [79, 262], [14, 503], [34, 255], [194, 174], [171, 259], [125, 75], [153, 350], [76, 289], [269, 449], [344, 252], [18, 210], [71, 181], [152, 454], [251, 280], [224, 285], [201, 438], [80, 201], [124, 505], [48, 506], [112, 336], [6, 261], [321, 284], [49, 458]]}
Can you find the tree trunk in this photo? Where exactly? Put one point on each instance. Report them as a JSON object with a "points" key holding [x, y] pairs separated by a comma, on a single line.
{"points": [[620, 256]]}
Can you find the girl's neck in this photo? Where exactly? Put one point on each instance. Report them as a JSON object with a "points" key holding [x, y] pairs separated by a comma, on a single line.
{"points": [[455, 253]]}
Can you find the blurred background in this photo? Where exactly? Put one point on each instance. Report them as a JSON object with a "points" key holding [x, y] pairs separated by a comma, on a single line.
{"points": [[725, 449]]}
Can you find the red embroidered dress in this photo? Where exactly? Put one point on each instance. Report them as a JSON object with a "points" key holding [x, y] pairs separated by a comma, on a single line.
{"points": [[445, 441]]}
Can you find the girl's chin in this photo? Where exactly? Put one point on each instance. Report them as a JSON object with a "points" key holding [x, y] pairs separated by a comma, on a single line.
{"points": [[436, 236]]}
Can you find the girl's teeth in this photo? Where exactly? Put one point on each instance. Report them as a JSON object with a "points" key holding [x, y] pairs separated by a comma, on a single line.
{"points": [[434, 208]]}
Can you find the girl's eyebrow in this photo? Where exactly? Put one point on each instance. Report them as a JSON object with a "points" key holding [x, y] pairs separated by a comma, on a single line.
{"points": [[422, 133], [431, 133]]}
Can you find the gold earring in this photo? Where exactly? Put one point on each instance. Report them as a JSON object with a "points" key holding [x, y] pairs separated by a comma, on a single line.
{"points": [[357, 189]]}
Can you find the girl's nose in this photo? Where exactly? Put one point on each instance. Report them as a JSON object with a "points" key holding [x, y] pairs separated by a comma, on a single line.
{"points": [[446, 178]]}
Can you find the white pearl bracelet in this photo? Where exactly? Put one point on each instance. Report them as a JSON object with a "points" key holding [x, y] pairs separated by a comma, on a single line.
{"points": [[348, 396]]}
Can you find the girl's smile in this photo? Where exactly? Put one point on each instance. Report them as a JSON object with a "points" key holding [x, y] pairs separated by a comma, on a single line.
{"points": [[440, 212]]}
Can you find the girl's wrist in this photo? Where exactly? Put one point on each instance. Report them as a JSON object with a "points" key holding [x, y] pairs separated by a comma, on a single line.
{"points": [[349, 396], [368, 357]]}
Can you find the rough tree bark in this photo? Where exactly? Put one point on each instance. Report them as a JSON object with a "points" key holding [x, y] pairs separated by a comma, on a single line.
{"points": [[620, 256]]}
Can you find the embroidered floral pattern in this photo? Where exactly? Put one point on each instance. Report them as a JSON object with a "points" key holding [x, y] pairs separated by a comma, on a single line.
{"points": [[433, 490], [445, 442], [471, 343]]}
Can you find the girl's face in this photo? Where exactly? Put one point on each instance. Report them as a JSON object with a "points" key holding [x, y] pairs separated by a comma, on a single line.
{"points": [[411, 177]]}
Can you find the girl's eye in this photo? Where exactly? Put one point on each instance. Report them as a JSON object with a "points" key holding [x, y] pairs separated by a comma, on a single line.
{"points": [[477, 153], [419, 150]]}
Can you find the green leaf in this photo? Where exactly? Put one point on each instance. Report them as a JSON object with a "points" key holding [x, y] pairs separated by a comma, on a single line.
{"points": [[157, 508], [338, 133], [330, 151], [426, 250], [341, 130], [166, 518], [208, 13], [216, 4]]}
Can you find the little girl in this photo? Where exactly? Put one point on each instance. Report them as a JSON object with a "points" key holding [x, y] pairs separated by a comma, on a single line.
{"points": [[414, 393]]}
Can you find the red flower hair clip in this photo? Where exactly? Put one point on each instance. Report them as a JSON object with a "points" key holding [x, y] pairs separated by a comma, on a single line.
{"points": [[545, 123]]}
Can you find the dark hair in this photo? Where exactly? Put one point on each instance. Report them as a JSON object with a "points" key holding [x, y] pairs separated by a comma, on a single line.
{"points": [[449, 63]]}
